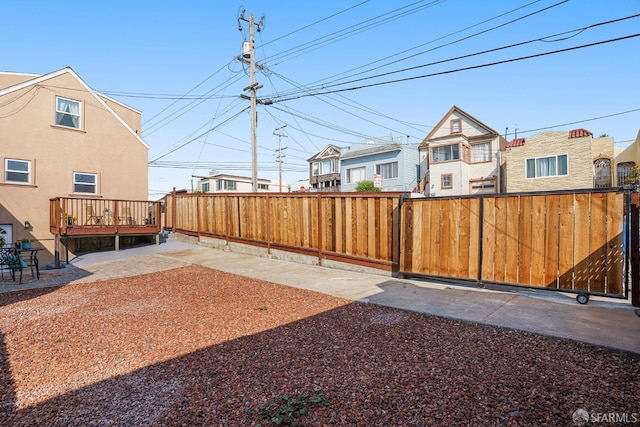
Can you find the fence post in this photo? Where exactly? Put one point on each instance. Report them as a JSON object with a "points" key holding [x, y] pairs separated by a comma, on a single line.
{"points": [[173, 210], [635, 250], [480, 240]]}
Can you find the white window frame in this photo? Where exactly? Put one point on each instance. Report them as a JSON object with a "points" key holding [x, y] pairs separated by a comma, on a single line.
{"points": [[7, 171], [435, 157], [443, 178], [205, 187], [456, 123], [351, 170], [392, 165], [230, 185], [474, 157], [263, 186], [94, 184], [63, 113], [536, 167]]}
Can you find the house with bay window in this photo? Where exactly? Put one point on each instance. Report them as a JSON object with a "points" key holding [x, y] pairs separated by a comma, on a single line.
{"points": [[324, 169], [61, 138], [394, 164], [560, 161], [461, 156]]}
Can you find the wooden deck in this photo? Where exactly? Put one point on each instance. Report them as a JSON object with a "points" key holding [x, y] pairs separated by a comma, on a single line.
{"points": [[78, 217]]}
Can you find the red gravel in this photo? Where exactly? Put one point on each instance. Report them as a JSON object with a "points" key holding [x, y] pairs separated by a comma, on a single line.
{"points": [[194, 346]]}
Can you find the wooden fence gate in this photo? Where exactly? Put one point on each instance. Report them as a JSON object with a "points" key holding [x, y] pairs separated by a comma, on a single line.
{"points": [[569, 241]]}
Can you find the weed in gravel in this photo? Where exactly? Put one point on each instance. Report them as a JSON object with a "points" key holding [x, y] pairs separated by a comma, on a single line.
{"points": [[60, 340], [263, 308], [284, 410]]}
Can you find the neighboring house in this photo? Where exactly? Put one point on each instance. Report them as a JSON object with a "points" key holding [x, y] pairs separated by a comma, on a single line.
{"points": [[218, 182], [625, 159], [394, 162], [559, 161], [461, 156], [324, 169], [60, 138]]}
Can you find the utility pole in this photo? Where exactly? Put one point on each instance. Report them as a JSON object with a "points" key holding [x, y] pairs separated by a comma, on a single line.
{"points": [[249, 49], [279, 150]]}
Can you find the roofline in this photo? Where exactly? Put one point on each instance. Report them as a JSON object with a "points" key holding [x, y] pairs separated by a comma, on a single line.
{"points": [[356, 154], [95, 94], [119, 103], [459, 110]]}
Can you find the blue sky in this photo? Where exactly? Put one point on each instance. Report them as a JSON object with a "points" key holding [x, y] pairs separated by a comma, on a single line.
{"points": [[318, 58]]}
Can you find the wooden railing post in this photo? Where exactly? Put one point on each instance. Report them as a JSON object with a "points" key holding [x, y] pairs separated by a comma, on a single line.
{"points": [[634, 251]]}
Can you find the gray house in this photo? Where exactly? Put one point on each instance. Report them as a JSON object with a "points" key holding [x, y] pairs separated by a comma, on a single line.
{"points": [[395, 163]]}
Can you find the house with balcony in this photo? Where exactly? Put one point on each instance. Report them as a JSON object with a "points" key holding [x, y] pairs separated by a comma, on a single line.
{"points": [[461, 156], [392, 162], [560, 161], [71, 157], [324, 169], [218, 182]]}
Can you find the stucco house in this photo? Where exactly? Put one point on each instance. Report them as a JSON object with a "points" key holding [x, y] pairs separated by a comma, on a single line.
{"points": [[324, 169], [461, 156], [60, 138], [395, 163], [218, 182], [625, 159], [559, 161]]}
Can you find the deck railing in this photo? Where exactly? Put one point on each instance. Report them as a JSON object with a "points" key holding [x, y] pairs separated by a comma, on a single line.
{"points": [[83, 216]]}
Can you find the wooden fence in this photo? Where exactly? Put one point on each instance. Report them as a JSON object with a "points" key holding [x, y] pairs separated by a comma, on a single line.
{"points": [[357, 228], [569, 241]]}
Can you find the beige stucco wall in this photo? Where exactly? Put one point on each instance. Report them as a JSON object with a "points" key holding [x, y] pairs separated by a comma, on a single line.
{"points": [[581, 153], [104, 146], [10, 79]]}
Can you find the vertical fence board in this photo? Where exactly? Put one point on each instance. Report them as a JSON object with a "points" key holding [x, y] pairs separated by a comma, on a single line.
{"points": [[615, 255], [581, 249], [434, 238], [500, 257], [474, 238], [464, 243], [488, 237], [524, 242], [598, 242], [552, 225], [443, 262], [414, 237], [538, 218], [454, 237], [371, 229], [512, 239], [566, 242]]}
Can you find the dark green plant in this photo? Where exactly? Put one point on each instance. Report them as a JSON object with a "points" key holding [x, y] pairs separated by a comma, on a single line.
{"points": [[285, 410], [366, 187]]}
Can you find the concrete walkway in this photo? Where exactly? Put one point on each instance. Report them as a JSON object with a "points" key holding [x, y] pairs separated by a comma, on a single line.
{"points": [[605, 322]]}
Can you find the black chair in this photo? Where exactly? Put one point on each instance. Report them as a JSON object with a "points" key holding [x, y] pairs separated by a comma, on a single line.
{"points": [[10, 259]]}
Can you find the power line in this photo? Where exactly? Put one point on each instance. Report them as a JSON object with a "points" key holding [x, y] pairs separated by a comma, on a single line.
{"points": [[577, 122], [460, 69]]}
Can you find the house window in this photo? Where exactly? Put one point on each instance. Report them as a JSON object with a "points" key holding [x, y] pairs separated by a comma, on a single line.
{"points": [[263, 186], [624, 172], [388, 170], [327, 166], [446, 181], [445, 153], [482, 186], [544, 167], [67, 113], [85, 183], [223, 184], [316, 168], [205, 187], [602, 173], [18, 171], [481, 152], [355, 175], [456, 126]]}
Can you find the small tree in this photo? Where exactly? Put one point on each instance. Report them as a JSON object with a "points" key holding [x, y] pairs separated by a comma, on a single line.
{"points": [[366, 187], [634, 176]]}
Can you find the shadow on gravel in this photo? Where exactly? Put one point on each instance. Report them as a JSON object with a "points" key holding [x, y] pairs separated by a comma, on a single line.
{"points": [[374, 365], [7, 387]]}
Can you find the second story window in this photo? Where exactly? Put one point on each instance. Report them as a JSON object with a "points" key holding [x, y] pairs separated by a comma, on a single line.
{"points": [[456, 126], [544, 167], [481, 152], [17, 171], [445, 153], [85, 183], [205, 187], [68, 113], [388, 170], [263, 187], [223, 184]]}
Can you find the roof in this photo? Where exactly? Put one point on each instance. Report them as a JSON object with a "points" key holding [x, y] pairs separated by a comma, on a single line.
{"points": [[329, 150], [98, 96], [517, 142], [372, 150], [579, 133], [444, 118]]}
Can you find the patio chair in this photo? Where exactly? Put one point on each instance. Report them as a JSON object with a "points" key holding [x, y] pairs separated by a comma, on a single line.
{"points": [[10, 259], [126, 217], [92, 218]]}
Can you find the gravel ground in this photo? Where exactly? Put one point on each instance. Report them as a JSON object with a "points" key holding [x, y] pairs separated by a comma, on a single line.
{"points": [[194, 346]]}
